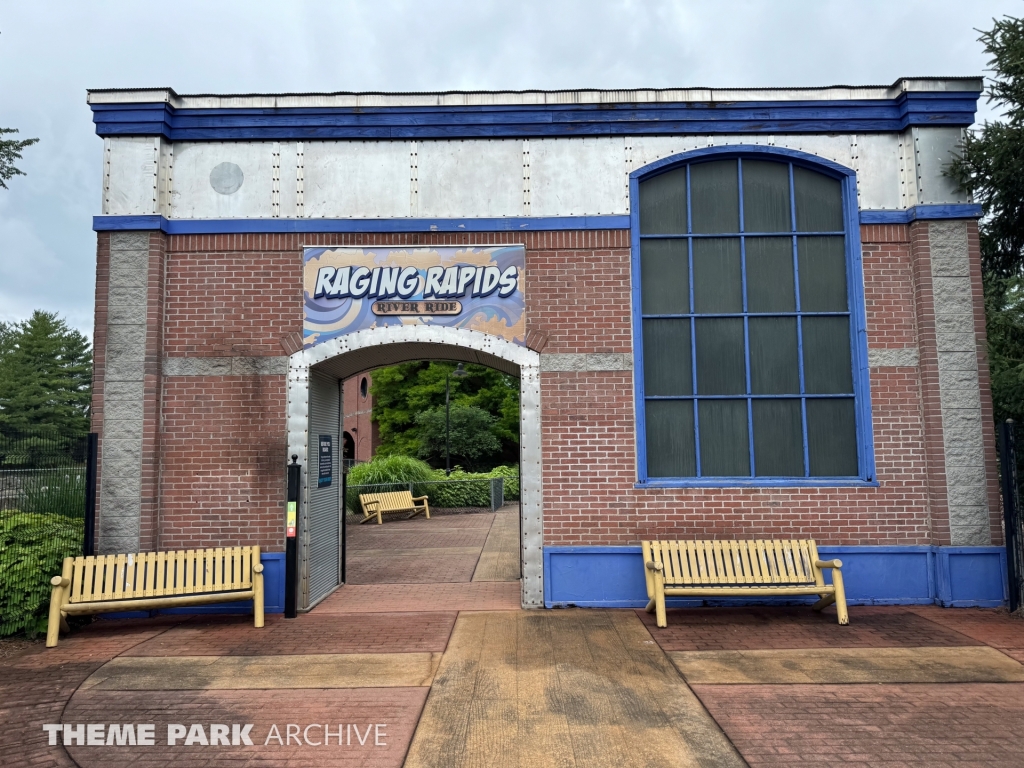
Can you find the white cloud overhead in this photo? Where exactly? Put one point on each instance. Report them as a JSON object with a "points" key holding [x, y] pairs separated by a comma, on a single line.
{"points": [[51, 52]]}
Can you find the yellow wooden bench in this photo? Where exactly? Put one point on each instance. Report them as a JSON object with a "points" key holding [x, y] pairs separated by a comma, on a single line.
{"points": [[378, 504], [739, 569], [113, 583]]}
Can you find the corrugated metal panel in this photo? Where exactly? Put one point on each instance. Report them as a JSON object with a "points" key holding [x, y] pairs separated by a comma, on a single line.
{"points": [[577, 96], [321, 537]]}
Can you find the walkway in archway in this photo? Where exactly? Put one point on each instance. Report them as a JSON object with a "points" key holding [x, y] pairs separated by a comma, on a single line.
{"points": [[449, 562]]}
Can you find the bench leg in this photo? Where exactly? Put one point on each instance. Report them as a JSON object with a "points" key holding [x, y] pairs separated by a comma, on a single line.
{"points": [[825, 602], [659, 600], [257, 600], [53, 625], [837, 581], [650, 606]]}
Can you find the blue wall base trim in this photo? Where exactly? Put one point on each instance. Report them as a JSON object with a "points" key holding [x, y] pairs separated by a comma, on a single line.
{"points": [[613, 577], [273, 596]]}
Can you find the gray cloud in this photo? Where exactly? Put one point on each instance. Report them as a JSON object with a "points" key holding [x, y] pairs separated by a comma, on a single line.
{"points": [[49, 55]]}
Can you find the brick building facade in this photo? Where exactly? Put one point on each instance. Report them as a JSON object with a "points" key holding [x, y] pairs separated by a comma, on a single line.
{"points": [[203, 372]]}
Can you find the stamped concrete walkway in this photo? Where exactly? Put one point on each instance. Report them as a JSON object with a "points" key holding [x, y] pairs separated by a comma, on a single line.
{"points": [[452, 674]]}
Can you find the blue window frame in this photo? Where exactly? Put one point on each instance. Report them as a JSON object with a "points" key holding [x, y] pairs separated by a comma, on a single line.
{"points": [[749, 342]]}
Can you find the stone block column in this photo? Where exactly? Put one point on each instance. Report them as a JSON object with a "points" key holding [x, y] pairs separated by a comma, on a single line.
{"points": [[957, 410], [128, 344]]}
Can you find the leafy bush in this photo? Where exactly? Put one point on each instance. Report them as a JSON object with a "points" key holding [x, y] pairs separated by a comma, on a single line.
{"points": [[392, 473], [472, 489], [32, 548]]}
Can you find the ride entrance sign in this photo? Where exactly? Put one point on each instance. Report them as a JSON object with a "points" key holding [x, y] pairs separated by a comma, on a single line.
{"points": [[478, 288]]}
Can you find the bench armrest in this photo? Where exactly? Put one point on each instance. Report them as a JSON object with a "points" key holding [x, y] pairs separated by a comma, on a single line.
{"points": [[652, 566], [258, 568], [420, 498], [374, 504], [59, 581], [828, 563]]}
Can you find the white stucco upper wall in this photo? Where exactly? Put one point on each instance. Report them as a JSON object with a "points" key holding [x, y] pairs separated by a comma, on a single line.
{"points": [[161, 149]]}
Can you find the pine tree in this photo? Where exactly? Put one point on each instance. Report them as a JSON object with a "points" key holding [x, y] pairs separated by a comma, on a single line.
{"points": [[991, 168], [45, 377]]}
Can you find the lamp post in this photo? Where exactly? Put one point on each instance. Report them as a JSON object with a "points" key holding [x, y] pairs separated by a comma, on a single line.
{"points": [[459, 372]]}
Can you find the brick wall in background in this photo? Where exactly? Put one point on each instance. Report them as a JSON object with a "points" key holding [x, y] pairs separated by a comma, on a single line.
{"points": [[222, 439]]}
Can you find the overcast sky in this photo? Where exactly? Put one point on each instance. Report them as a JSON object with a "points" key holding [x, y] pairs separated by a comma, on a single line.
{"points": [[50, 52]]}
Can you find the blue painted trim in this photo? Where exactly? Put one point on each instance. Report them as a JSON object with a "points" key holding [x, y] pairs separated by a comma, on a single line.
{"points": [[922, 213], [509, 224], [955, 108], [613, 577], [858, 319], [756, 482], [288, 226]]}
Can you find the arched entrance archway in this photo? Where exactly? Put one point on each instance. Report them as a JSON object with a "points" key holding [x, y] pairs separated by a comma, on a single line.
{"points": [[347, 355]]}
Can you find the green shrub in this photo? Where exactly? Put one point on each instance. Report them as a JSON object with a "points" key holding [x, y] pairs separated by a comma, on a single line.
{"points": [[473, 489], [32, 548], [393, 472]]}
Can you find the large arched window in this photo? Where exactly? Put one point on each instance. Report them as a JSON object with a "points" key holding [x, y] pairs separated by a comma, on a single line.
{"points": [[748, 325]]}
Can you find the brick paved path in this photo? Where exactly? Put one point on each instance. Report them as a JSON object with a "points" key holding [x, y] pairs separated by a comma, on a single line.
{"points": [[719, 686], [928, 722]]}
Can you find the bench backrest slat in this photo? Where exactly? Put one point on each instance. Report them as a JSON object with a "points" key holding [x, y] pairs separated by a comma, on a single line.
{"points": [[388, 500], [760, 561], [161, 574]]}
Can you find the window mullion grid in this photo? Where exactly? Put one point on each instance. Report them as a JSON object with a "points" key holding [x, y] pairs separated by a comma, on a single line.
{"points": [[799, 323], [693, 327], [746, 323]]}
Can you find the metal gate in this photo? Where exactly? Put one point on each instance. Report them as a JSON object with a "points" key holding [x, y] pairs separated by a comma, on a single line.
{"points": [[1013, 518], [321, 533]]}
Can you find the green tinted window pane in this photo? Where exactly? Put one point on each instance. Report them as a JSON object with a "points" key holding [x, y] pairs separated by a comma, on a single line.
{"points": [[822, 262], [827, 365], [778, 438], [715, 192], [721, 363], [766, 197], [770, 280], [663, 204], [667, 369], [717, 275], [832, 437], [774, 361], [670, 441], [724, 442], [819, 201], [664, 277]]}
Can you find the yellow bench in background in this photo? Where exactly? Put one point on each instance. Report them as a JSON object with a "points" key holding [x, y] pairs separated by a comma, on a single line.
{"points": [[378, 504], [758, 568], [113, 583]]}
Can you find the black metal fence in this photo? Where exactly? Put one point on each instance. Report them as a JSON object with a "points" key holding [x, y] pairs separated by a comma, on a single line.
{"points": [[1011, 474], [47, 495]]}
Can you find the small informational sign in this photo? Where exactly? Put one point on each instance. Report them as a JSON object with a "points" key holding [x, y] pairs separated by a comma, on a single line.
{"points": [[326, 474], [291, 520], [479, 288]]}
